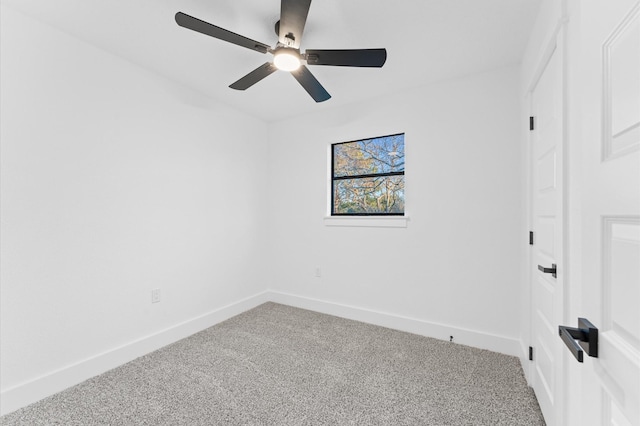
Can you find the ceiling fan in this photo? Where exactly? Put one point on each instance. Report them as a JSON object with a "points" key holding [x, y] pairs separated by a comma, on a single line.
{"points": [[286, 53]]}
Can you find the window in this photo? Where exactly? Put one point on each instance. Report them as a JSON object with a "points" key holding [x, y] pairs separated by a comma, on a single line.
{"points": [[368, 177]]}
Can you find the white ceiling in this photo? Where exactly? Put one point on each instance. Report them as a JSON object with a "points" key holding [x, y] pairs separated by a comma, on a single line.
{"points": [[426, 41]]}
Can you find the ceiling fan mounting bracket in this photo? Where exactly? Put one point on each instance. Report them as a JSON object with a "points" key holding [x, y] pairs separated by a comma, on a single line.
{"points": [[289, 40]]}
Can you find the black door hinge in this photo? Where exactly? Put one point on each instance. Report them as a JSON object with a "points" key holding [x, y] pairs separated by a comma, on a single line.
{"points": [[530, 353], [530, 238], [531, 123]]}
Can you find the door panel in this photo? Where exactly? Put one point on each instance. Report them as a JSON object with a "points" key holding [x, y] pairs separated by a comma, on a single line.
{"points": [[545, 241], [546, 171], [610, 264], [618, 367], [546, 196], [621, 85], [621, 278]]}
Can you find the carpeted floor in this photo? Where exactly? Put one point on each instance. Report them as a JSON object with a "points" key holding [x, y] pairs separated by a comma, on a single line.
{"points": [[278, 365]]}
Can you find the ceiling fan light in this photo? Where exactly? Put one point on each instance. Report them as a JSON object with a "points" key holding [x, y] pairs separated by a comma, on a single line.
{"points": [[286, 61]]}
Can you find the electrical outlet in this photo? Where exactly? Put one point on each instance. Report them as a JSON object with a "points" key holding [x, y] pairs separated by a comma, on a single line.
{"points": [[318, 272], [155, 295]]}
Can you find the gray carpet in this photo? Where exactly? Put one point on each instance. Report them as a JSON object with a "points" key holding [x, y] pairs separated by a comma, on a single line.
{"points": [[278, 365]]}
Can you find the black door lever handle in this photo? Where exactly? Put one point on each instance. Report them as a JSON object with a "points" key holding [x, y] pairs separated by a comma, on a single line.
{"points": [[551, 270], [583, 338]]}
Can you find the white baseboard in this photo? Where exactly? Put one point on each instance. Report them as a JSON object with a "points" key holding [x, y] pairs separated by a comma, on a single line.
{"points": [[34, 390], [464, 336]]}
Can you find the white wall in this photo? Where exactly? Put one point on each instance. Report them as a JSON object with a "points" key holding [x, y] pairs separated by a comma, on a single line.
{"points": [[115, 181], [455, 270]]}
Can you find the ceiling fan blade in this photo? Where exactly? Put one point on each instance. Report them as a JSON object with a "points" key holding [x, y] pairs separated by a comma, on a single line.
{"points": [[254, 76], [347, 58], [206, 28], [293, 16], [310, 84]]}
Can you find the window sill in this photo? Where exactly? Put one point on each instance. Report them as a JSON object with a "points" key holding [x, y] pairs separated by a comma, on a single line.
{"points": [[367, 221]]}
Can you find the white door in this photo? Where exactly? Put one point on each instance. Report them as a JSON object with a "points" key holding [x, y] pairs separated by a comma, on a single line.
{"points": [[609, 86], [546, 201]]}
